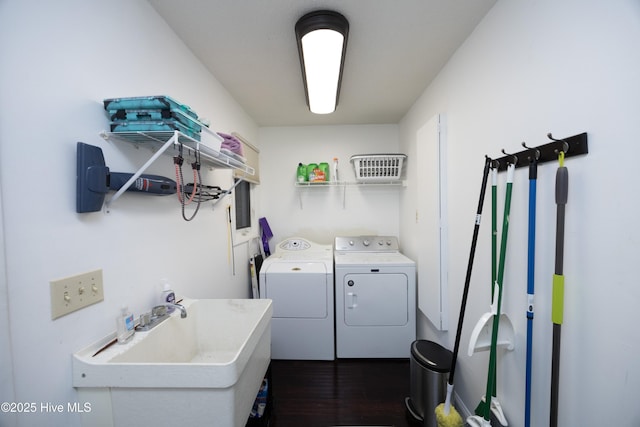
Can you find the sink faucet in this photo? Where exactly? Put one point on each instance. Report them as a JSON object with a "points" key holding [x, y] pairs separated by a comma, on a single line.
{"points": [[183, 311], [158, 315]]}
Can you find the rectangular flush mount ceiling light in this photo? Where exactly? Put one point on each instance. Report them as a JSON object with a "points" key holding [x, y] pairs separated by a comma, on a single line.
{"points": [[322, 43]]}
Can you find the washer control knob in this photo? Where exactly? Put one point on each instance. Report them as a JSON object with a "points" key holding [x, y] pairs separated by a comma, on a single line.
{"points": [[365, 242], [388, 242], [351, 243], [380, 242]]}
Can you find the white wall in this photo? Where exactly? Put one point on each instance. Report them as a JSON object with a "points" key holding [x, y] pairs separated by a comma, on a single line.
{"points": [[321, 214], [59, 60], [528, 69]]}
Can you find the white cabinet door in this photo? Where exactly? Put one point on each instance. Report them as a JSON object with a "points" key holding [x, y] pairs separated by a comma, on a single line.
{"points": [[432, 222]]}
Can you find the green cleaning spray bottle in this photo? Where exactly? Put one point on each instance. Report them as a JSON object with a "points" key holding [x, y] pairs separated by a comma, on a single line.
{"points": [[302, 173]]}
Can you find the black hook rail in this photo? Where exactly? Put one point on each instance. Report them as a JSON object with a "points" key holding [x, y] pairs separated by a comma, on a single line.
{"points": [[572, 146]]}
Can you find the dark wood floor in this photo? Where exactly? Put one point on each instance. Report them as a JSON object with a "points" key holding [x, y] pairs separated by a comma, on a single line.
{"points": [[344, 392]]}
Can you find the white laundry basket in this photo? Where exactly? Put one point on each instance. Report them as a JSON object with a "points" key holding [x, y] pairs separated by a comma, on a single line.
{"points": [[378, 167]]}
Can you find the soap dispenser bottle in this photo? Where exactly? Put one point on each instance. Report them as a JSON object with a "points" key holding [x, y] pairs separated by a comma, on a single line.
{"points": [[125, 325], [168, 296]]}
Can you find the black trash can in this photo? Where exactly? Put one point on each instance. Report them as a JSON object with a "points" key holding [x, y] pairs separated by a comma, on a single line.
{"points": [[428, 368]]}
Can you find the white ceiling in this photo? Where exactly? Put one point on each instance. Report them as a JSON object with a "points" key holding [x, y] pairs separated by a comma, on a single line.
{"points": [[395, 49]]}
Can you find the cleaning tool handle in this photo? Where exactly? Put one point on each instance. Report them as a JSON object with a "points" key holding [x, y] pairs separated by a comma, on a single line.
{"points": [[450, 416], [491, 379], [555, 375], [493, 308], [494, 227], [531, 236], [467, 281], [533, 170], [557, 305], [505, 224], [533, 176], [557, 308], [447, 402], [510, 171], [528, 370], [562, 185]]}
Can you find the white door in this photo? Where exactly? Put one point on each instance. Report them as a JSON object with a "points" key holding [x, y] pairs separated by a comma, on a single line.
{"points": [[375, 299], [432, 222]]}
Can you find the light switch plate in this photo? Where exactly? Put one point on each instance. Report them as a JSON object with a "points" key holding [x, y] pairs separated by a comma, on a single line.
{"points": [[75, 292]]}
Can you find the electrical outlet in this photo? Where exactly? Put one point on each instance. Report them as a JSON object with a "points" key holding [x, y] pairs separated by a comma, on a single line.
{"points": [[75, 292]]}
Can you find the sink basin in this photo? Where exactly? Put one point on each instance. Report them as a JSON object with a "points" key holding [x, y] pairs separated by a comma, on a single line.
{"points": [[205, 369]]}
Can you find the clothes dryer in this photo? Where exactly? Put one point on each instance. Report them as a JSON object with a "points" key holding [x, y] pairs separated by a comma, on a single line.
{"points": [[375, 288], [298, 277]]}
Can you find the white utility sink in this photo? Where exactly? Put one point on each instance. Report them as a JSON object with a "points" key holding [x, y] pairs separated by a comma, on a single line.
{"points": [[205, 369]]}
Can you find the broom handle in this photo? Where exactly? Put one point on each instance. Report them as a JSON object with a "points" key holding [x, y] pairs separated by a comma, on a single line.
{"points": [[533, 176], [491, 382], [557, 307], [467, 280]]}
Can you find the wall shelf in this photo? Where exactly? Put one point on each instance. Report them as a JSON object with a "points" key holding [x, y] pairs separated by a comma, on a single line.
{"points": [[320, 184], [344, 184], [159, 142]]}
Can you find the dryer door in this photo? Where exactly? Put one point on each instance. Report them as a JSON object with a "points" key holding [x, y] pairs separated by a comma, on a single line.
{"points": [[375, 299], [298, 289]]}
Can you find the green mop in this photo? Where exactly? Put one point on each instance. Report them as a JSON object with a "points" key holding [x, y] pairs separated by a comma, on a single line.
{"points": [[494, 405], [483, 419], [494, 267]]}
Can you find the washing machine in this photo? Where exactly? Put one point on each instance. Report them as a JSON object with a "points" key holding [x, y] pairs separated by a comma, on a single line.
{"points": [[375, 287], [298, 277]]}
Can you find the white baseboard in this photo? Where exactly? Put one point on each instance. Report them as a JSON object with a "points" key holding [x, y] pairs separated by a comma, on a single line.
{"points": [[461, 407]]}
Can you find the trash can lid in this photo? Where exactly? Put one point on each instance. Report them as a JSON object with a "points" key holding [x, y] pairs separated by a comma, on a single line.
{"points": [[431, 355]]}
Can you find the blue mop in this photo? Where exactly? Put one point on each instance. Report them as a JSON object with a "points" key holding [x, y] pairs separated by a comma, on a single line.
{"points": [[533, 175]]}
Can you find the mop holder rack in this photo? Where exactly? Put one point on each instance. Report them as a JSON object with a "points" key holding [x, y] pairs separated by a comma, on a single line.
{"points": [[575, 145], [480, 339]]}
